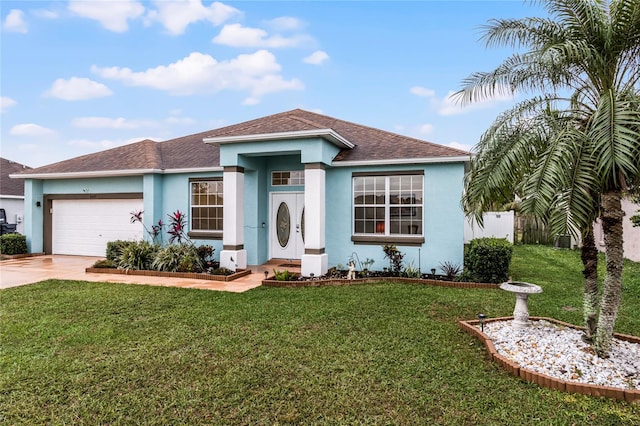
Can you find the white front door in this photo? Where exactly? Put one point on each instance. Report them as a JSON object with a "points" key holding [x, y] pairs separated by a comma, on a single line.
{"points": [[287, 223]]}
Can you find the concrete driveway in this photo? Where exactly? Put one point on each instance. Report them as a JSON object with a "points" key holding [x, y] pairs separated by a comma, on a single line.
{"points": [[28, 270]]}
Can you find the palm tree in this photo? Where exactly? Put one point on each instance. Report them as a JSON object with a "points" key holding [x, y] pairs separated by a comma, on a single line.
{"points": [[525, 159], [583, 61]]}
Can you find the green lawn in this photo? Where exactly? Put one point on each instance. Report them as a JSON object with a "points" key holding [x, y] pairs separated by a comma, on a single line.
{"points": [[95, 353]]}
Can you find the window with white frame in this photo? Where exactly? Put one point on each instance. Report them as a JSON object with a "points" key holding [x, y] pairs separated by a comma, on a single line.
{"points": [[388, 205], [206, 205]]}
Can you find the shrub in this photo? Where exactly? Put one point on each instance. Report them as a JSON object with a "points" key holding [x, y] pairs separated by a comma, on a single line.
{"points": [[395, 257], [205, 253], [104, 263], [284, 275], [220, 271], [183, 257], [450, 269], [488, 260], [137, 255], [13, 244], [114, 249], [411, 271]]}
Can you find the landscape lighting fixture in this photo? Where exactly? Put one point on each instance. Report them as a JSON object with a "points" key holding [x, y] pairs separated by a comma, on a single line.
{"points": [[482, 317], [266, 274]]}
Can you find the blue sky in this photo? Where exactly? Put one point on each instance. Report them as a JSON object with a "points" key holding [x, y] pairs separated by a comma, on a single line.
{"points": [[82, 76]]}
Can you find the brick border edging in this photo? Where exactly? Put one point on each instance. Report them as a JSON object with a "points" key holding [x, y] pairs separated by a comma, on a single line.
{"points": [[628, 395], [191, 275], [272, 282], [20, 256]]}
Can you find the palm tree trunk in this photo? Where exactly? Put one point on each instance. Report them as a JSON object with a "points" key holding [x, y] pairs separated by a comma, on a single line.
{"points": [[589, 255], [612, 215]]}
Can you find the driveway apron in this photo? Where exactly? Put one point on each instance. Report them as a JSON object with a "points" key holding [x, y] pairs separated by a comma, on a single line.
{"points": [[16, 272]]}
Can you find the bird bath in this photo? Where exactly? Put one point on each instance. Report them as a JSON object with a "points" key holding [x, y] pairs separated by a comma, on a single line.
{"points": [[522, 291]]}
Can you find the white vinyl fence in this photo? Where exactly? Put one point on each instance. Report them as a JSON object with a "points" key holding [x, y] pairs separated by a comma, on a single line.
{"points": [[496, 224]]}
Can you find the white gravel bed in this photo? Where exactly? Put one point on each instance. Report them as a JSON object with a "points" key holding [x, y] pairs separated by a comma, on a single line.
{"points": [[559, 352]]}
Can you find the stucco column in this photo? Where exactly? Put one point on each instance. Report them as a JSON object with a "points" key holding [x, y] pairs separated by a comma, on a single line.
{"points": [[152, 203], [314, 260], [233, 255], [34, 215]]}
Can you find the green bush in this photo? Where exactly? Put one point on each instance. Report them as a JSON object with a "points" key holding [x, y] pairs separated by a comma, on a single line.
{"points": [[395, 257], [284, 275], [137, 255], [114, 249], [181, 257], [13, 244], [488, 259], [104, 263]]}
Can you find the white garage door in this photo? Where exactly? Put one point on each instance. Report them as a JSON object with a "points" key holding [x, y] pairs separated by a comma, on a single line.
{"points": [[84, 227]]}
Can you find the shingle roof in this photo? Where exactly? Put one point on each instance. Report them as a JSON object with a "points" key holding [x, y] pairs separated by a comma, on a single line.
{"points": [[191, 152], [10, 186], [371, 143]]}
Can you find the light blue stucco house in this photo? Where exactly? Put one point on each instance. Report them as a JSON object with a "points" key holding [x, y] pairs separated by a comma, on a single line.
{"points": [[295, 185]]}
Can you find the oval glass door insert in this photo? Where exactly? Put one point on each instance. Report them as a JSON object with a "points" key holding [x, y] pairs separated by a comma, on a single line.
{"points": [[302, 224], [283, 221]]}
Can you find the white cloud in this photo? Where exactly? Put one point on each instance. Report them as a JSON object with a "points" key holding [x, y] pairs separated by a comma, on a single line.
{"points": [[448, 106], [458, 145], [97, 145], [177, 15], [28, 147], [110, 123], [175, 117], [316, 58], [30, 129], [6, 103], [186, 121], [76, 89], [425, 129], [251, 101], [112, 15], [46, 14], [422, 91], [257, 73], [285, 23], [235, 35], [14, 22]]}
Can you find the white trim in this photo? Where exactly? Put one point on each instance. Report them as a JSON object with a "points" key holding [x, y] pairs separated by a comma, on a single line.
{"points": [[112, 173], [12, 197], [431, 160], [198, 170], [387, 209], [327, 134]]}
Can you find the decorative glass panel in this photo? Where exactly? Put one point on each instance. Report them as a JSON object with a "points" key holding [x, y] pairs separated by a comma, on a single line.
{"points": [[288, 178], [302, 224], [283, 224]]}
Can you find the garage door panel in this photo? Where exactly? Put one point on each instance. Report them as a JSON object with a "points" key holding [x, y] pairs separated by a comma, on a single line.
{"points": [[84, 227]]}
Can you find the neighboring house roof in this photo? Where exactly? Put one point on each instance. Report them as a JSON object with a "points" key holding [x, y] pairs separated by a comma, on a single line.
{"points": [[8, 186], [190, 152]]}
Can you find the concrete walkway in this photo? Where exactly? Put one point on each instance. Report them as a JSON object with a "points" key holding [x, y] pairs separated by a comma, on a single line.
{"points": [[28, 270]]}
